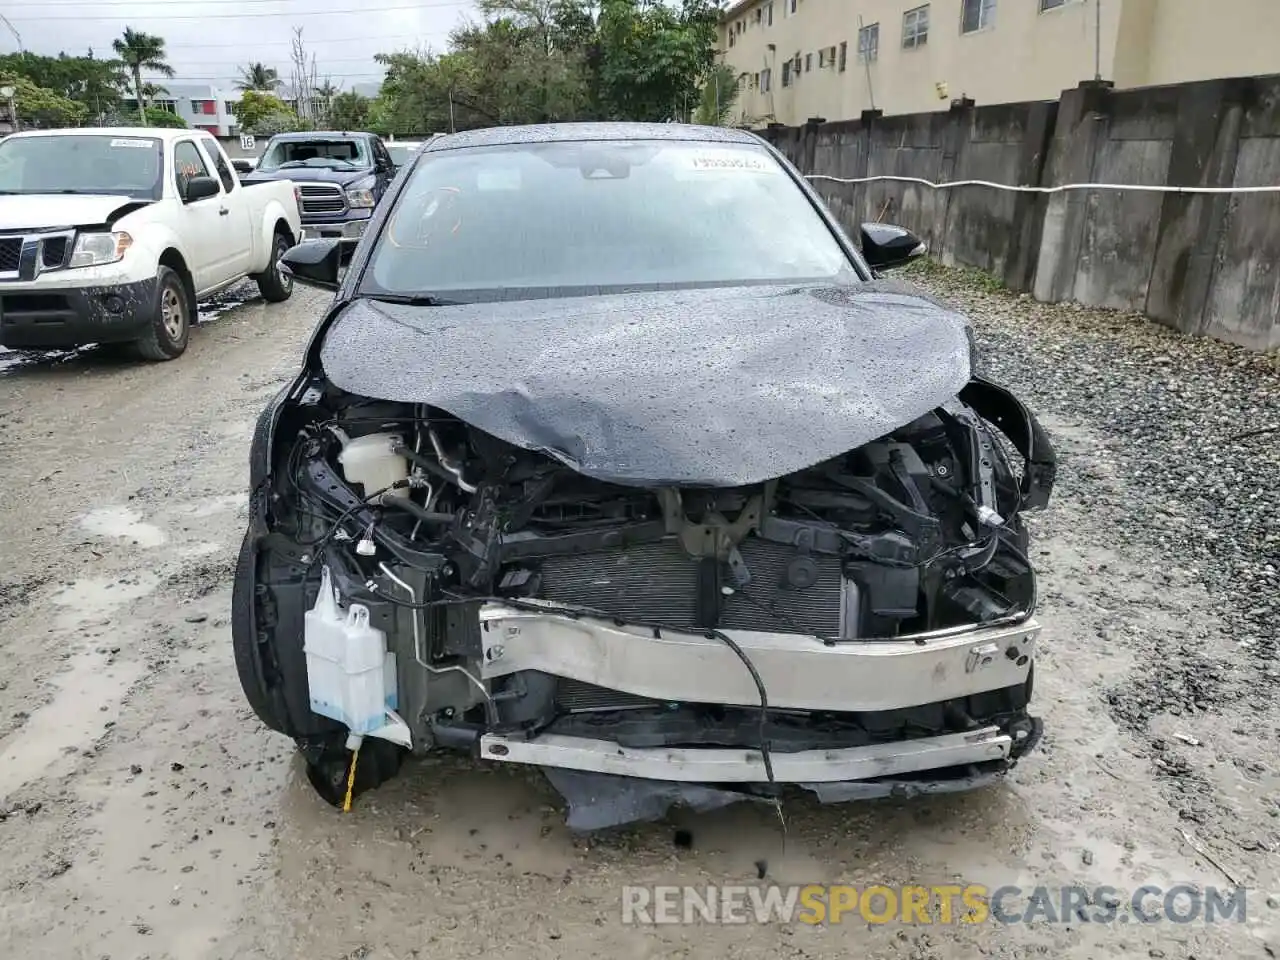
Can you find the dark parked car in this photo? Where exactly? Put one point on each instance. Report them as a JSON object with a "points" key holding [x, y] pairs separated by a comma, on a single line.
{"points": [[340, 177], [613, 456]]}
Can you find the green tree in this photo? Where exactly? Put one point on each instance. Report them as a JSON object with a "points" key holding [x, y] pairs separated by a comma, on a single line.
{"points": [[94, 83], [719, 94], [156, 117], [263, 114], [141, 51], [532, 61], [41, 107], [349, 111], [258, 76], [653, 57]]}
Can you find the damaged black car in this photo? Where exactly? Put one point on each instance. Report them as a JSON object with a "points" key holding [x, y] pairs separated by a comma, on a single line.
{"points": [[614, 456]]}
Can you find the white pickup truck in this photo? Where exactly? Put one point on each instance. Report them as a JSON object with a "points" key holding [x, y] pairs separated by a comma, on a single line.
{"points": [[114, 235]]}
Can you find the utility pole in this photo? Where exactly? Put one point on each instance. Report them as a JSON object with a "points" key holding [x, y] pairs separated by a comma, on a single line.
{"points": [[1097, 39], [17, 36]]}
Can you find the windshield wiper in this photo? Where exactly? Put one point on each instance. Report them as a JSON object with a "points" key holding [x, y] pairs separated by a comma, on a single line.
{"points": [[412, 299]]}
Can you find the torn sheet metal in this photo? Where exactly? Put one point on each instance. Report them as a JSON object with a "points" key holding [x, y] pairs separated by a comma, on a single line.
{"points": [[721, 386]]}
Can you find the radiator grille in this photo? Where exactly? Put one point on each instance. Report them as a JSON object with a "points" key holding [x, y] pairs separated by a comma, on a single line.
{"points": [[10, 254], [53, 251], [659, 582], [322, 198]]}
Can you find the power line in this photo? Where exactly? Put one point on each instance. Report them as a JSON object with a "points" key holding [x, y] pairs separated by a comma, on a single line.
{"points": [[425, 4], [240, 44], [219, 63], [182, 78], [161, 3]]}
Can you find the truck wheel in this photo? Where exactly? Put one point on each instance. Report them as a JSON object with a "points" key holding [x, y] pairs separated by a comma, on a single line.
{"points": [[170, 327], [274, 284]]}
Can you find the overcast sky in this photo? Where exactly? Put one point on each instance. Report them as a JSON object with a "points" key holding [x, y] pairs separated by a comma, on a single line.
{"points": [[207, 40]]}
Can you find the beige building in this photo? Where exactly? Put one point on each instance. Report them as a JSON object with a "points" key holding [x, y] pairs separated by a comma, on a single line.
{"points": [[833, 59]]}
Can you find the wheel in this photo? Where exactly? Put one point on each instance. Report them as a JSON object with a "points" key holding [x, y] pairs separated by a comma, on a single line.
{"points": [[274, 284], [244, 641], [170, 327], [329, 764]]}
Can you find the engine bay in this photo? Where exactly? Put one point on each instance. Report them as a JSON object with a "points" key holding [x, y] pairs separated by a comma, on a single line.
{"points": [[425, 524]]}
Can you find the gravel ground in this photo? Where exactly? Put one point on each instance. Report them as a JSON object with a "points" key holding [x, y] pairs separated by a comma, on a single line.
{"points": [[145, 813]]}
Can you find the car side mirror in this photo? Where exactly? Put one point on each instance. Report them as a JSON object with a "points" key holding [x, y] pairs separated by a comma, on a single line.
{"points": [[885, 246], [316, 263], [200, 188]]}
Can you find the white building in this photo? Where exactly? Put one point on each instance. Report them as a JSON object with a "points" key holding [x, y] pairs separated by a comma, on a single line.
{"points": [[202, 105]]}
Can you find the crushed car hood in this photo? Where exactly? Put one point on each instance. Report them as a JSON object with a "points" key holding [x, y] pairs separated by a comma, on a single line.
{"points": [[725, 386], [43, 210]]}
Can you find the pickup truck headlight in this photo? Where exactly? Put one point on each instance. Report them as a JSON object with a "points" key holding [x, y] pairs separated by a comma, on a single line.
{"points": [[96, 249], [360, 198]]}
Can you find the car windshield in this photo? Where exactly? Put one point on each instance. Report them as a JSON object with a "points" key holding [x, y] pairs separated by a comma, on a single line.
{"points": [[352, 154], [401, 153], [73, 163], [553, 219]]}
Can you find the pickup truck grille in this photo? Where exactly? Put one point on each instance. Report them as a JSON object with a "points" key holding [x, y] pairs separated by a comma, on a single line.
{"points": [[10, 254], [322, 198]]}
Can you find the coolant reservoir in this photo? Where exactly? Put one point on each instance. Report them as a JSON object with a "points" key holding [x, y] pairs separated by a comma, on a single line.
{"points": [[372, 462]]}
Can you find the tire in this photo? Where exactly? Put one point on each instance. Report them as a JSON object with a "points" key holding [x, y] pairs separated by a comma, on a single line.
{"points": [[244, 640], [170, 328], [329, 763], [275, 286]]}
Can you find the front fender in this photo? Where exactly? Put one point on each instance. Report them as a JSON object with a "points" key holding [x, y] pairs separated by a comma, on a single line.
{"points": [[272, 214], [150, 240]]}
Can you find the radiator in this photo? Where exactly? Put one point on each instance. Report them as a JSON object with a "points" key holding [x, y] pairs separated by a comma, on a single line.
{"points": [[659, 582]]}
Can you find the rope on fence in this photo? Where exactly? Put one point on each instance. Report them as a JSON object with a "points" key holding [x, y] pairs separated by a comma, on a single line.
{"points": [[1064, 188]]}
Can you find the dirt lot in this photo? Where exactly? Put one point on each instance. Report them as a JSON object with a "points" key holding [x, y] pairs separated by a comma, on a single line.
{"points": [[144, 812]]}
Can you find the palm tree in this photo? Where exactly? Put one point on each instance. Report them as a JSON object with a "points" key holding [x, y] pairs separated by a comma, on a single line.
{"points": [[141, 51], [258, 76]]}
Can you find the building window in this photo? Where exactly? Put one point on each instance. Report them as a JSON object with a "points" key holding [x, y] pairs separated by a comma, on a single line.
{"points": [[766, 76], [791, 5], [768, 15], [844, 55], [977, 15], [822, 58], [731, 39], [1052, 4], [915, 27], [808, 62], [786, 73], [869, 43], [759, 15]]}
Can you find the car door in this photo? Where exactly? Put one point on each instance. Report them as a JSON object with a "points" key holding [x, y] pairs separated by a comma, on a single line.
{"points": [[239, 220], [202, 224]]}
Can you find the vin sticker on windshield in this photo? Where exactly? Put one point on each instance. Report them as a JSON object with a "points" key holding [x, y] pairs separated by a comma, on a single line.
{"points": [[742, 163], [135, 144]]}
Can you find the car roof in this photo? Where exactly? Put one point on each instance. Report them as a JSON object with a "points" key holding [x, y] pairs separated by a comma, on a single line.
{"points": [[158, 133], [322, 135], [564, 132]]}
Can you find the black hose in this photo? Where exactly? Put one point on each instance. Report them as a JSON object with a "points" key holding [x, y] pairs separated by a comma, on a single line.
{"points": [[423, 514]]}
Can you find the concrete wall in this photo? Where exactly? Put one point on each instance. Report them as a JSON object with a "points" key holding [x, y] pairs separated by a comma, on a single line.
{"points": [[1203, 264], [1024, 53]]}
